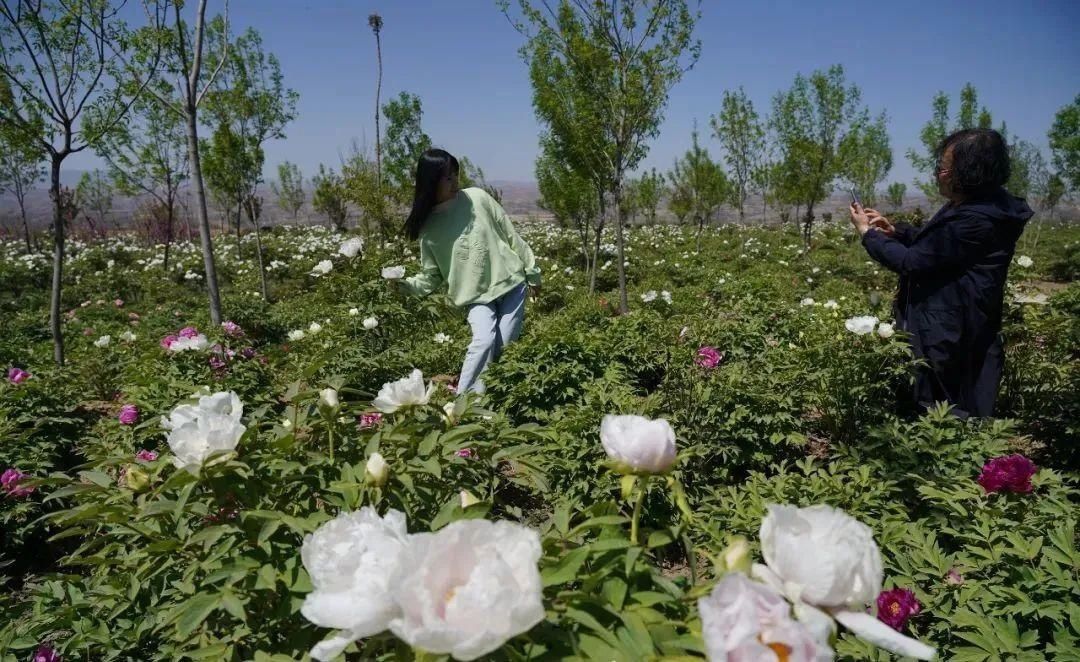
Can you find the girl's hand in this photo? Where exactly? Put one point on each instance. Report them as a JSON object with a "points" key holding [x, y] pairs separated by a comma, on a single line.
{"points": [[880, 222], [859, 218]]}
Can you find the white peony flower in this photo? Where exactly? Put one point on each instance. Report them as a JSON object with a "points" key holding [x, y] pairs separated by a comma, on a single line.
{"points": [[297, 334], [666, 296], [827, 563], [806, 302], [1025, 261], [351, 247], [744, 620], [370, 323], [200, 430], [649, 296], [128, 336], [322, 268], [351, 561], [195, 343], [886, 330], [314, 328], [442, 338], [861, 325], [353, 312], [403, 393], [641, 444], [468, 588], [393, 273], [329, 398], [377, 469], [103, 341], [831, 304]]}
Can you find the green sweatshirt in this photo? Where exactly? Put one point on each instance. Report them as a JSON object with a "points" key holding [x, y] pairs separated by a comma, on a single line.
{"points": [[470, 244]]}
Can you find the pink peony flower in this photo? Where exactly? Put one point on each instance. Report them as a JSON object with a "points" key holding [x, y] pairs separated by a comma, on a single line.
{"points": [[954, 578], [146, 456], [167, 341], [45, 653], [88, 331], [9, 482], [119, 303], [17, 375], [1009, 473], [708, 357], [370, 420], [129, 415], [216, 362], [896, 606], [466, 453], [188, 332], [232, 329], [133, 316]]}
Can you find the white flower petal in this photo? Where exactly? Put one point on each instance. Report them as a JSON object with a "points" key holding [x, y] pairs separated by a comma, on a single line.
{"points": [[881, 635]]}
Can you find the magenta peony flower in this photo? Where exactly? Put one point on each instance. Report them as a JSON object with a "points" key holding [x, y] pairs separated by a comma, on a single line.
{"points": [[9, 482], [370, 420], [1009, 473], [248, 353], [232, 329], [129, 415], [216, 362], [119, 303], [708, 357], [167, 341], [896, 606], [45, 653], [17, 375], [146, 456], [188, 332], [466, 453]]}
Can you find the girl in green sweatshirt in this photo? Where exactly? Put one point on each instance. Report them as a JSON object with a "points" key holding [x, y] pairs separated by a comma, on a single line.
{"points": [[468, 243]]}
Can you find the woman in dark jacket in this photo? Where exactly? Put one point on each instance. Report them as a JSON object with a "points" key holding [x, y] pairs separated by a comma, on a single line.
{"points": [[953, 271]]}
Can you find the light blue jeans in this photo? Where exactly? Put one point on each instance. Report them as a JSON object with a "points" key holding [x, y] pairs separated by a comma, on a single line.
{"points": [[494, 325]]}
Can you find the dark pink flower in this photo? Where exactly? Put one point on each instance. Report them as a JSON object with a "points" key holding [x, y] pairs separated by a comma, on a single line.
{"points": [[466, 453], [188, 332], [9, 482], [129, 415], [45, 653], [370, 420], [88, 331], [896, 606], [248, 353], [216, 362], [146, 456], [1009, 473], [17, 375], [119, 303], [167, 341], [708, 357], [954, 578], [232, 329]]}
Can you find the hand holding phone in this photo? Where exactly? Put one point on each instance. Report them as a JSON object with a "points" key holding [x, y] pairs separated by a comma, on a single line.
{"points": [[855, 198]]}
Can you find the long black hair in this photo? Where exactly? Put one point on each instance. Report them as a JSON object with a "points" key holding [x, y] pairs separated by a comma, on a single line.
{"points": [[980, 161], [434, 165]]}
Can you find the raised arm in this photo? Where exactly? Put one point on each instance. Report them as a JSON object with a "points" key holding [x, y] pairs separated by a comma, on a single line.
{"points": [[958, 243]]}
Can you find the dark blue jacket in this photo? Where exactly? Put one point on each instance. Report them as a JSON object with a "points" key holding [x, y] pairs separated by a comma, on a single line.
{"points": [[952, 287]]}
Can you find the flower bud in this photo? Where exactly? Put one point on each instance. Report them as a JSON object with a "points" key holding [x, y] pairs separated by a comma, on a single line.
{"points": [[377, 470], [737, 555], [467, 499], [137, 480], [328, 397]]}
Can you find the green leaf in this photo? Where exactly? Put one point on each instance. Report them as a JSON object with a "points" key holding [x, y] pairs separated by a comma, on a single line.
{"points": [[566, 569], [195, 611]]}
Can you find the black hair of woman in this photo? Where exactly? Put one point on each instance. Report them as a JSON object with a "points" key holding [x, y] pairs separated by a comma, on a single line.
{"points": [[434, 167]]}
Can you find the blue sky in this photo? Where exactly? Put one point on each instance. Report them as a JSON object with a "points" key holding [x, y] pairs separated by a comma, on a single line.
{"points": [[460, 57]]}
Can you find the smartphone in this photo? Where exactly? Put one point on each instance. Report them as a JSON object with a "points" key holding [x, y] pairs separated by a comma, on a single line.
{"points": [[855, 198]]}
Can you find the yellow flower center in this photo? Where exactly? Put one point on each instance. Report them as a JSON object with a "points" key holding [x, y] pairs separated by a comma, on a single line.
{"points": [[894, 608], [783, 651]]}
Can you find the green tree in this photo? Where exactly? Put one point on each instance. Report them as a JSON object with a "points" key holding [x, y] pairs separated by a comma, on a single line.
{"points": [[375, 22], [569, 195], [650, 191], [403, 144], [699, 187], [1028, 175], [473, 175], [867, 156], [54, 67], [603, 72], [21, 168], [814, 121], [742, 135], [360, 179], [1064, 136], [330, 197], [94, 193], [289, 188], [970, 116], [895, 195], [228, 162], [149, 156]]}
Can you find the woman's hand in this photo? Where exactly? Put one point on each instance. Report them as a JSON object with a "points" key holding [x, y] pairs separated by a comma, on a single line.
{"points": [[859, 218], [879, 222]]}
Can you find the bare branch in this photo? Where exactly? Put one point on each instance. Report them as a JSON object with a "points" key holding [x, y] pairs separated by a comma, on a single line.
{"points": [[224, 51]]}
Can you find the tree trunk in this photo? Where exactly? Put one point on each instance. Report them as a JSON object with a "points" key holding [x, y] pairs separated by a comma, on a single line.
{"points": [[168, 232], [808, 225], [204, 219], [239, 220], [26, 225], [624, 306], [596, 244], [258, 249], [378, 135], [58, 260]]}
